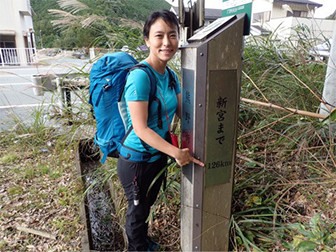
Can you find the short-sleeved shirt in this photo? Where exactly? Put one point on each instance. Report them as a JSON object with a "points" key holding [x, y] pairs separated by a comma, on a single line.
{"points": [[137, 88]]}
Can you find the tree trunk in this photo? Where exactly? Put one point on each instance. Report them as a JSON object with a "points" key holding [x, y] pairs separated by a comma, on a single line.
{"points": [[329, 89]]}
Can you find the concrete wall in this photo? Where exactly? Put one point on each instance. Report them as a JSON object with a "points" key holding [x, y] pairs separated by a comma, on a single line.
{"points": [[329, 89], [285, 27]]}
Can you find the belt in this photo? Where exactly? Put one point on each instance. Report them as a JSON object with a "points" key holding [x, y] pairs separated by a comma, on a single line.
{"points": [[134, 155]]}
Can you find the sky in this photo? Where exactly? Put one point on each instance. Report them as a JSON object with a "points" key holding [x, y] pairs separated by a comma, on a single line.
{"points": [[329, 6]]}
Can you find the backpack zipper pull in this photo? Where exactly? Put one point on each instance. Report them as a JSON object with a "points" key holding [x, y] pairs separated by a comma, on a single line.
{"points": [[106, 86]]}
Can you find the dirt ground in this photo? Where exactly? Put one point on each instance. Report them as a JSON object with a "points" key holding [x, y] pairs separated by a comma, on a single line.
{"points": [[39, 197]]}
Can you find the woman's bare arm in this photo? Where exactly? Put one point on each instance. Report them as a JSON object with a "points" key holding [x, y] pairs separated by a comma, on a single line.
{"points": [[139, 115]]}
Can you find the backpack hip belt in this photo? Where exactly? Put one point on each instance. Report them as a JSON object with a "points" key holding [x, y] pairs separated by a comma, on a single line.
{"points": [[134, 155]]}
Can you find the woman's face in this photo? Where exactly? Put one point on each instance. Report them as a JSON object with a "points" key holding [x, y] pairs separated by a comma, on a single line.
{"points": [[162, 41]]}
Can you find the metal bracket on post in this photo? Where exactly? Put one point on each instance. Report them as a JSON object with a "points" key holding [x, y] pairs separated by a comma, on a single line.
{"points": [[65, 93], [192, 19]]}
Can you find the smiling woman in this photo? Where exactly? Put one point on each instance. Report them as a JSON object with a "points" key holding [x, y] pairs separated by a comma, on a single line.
{"points": [[149, 129]]}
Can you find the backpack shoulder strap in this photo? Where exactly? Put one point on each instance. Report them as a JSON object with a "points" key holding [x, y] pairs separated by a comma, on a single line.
{"points": [[152, 79], [172, 80], [153, 88]]}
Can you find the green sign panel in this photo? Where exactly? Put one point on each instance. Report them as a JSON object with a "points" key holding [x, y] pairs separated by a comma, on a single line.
{"points": [[233, 7], [222, 109]]}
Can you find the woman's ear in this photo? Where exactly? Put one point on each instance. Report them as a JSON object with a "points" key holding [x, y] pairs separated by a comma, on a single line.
{"points": [[147, 42]]}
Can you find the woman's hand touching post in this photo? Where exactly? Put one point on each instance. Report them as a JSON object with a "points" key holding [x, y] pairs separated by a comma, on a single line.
{"points": [[183, 157]]}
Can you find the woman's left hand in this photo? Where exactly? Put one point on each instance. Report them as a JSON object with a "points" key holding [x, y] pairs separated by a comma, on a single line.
{"points": [[183, 158]]}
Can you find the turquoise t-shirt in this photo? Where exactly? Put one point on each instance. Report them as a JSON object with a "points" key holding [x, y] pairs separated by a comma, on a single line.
{"points": [[137, 88]]}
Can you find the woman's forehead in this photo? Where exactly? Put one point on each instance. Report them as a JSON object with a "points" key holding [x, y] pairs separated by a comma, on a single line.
{"points": [[162, 25]]}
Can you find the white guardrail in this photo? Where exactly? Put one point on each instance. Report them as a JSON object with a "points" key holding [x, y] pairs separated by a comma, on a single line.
{"points": [[17, 56]]}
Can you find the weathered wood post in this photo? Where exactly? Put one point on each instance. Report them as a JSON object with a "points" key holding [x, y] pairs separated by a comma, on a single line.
{"points": [[211, 68]]}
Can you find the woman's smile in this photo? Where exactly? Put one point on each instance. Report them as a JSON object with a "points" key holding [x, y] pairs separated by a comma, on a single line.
{"points": [[166, 51]]}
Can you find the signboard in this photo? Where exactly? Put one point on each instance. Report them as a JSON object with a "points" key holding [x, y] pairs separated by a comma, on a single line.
{"points": [[207, 31], [188, 115], [233, 7], [222, 109]]}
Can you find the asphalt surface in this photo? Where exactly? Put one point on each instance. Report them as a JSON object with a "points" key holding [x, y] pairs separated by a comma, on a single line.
{"points": [[18, 94]]}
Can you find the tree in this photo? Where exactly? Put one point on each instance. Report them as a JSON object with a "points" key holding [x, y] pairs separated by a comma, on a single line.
{"points": [[332, 16], [82, 23]]}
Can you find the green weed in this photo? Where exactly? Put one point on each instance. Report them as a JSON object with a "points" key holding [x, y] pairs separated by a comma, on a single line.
{"points": [[43, 169], [9, 158], [317, 234], [15, 190]]}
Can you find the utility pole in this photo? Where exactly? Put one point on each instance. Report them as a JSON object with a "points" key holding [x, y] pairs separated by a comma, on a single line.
{"points": [[329, 89]]}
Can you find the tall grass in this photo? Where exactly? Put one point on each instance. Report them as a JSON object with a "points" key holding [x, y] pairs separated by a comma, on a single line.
{"points": [[285, 162]]}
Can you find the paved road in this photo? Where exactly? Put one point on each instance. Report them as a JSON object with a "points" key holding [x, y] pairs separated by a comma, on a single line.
{"points": [[17, 98]]}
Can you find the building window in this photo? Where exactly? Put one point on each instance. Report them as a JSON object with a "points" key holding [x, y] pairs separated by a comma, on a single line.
{"points": [[297, 13], [304, 14], [7, 41], [262, 16], [257, 17]]}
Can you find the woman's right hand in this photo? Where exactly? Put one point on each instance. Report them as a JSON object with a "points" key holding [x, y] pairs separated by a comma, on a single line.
{"points": [[183, 157]]}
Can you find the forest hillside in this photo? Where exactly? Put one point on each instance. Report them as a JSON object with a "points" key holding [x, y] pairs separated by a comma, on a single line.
{"points": [[75, 36]]}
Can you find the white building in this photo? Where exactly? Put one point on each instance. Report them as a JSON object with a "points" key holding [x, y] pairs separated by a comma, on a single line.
{"points": [[17, 41], [283, 17], [265, 10]]}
